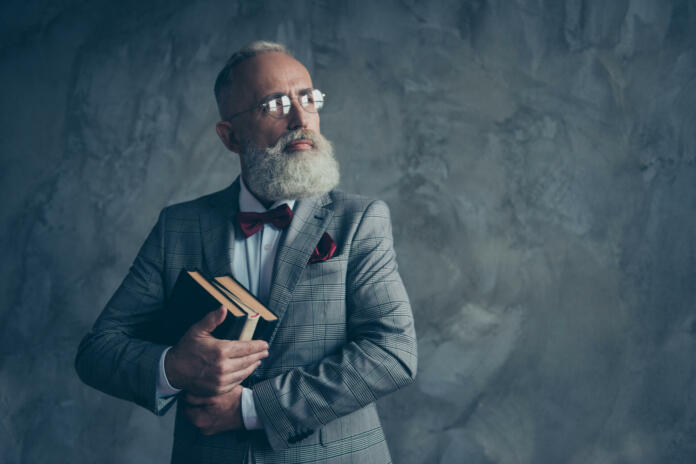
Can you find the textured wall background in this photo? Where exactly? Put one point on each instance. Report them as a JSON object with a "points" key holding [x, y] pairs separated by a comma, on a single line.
{"points": [[539, 158]]}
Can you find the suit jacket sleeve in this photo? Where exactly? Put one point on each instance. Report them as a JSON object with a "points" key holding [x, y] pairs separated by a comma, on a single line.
{"points": [[380, 355], [114, 356]]}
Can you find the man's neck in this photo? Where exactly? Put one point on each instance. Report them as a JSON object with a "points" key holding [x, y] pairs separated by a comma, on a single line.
{"points": [[266, 203]]}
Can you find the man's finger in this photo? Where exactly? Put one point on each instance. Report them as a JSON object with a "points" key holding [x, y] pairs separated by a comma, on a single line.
{"points": [[198, 417], [208, 431], [238, 376], [232, 373], [192, 414], [237, 364], [228, 367], [211, 320], [238, 349]]}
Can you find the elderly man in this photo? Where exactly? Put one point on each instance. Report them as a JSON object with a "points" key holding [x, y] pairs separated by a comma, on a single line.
{"points": [[321, 259]]}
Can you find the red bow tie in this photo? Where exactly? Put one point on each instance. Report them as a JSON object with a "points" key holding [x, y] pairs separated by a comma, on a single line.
{"points": [[250, 223]]}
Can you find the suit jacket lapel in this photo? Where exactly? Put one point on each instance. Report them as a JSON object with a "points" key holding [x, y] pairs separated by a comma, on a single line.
{"points": [[218, 229], [310, 219]]}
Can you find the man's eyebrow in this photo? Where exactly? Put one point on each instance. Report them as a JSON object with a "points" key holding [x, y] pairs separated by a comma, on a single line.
{"points": [[272, 95], [280, 94]]}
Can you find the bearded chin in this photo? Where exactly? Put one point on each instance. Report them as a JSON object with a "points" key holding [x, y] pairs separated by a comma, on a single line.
{"points": [[273, 174]]}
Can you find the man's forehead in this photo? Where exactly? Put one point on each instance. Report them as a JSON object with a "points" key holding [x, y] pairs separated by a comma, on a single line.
{"points": [[273, 72]]}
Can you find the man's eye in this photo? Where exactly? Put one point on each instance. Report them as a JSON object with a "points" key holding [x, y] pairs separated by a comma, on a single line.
{"points": [[275, 105]]}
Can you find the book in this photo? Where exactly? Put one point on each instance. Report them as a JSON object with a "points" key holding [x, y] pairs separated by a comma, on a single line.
{"points": [[248, 302], [195, 295]]}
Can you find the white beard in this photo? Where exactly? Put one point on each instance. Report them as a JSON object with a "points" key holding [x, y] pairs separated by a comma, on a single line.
{"points": [[274, 174]]}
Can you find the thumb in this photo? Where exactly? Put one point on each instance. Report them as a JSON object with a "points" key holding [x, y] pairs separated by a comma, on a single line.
{"points": [[211, 320]]}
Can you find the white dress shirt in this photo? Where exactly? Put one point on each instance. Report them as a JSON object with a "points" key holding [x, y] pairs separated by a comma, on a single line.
{"points": [[252, 265]]}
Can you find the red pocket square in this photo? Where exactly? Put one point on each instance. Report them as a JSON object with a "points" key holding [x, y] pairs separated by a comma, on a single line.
{"points": [[324, 250]]}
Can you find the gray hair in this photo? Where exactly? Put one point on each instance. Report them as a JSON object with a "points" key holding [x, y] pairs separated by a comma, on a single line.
{"points": [[224, 77]]}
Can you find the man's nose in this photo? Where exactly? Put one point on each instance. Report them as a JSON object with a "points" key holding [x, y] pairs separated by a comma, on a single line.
{"points": [[298, 117]]}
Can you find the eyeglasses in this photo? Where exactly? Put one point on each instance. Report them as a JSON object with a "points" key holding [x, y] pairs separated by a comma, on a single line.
{"points": [[278, 105]]}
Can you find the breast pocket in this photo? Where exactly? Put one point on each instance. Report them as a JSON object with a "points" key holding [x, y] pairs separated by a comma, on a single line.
{"points": [[322, 287], [328, 272]]}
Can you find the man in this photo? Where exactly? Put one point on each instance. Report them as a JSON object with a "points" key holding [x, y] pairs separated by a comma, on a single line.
{"points": [[322, 260]]}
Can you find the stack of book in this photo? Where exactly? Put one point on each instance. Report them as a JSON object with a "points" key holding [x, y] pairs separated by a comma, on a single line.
{"points": [[196, 294]]}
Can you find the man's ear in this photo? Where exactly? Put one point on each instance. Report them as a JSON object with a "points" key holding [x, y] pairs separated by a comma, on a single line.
{"points": [[228, 136]]}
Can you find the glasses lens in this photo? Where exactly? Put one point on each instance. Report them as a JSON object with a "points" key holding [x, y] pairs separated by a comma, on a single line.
{"points": [[312, 100], [315, 100], [279, 107], [318, 96]]}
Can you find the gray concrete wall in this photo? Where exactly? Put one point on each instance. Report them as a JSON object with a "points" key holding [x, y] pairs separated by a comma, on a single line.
{"points": [[539, 158]]}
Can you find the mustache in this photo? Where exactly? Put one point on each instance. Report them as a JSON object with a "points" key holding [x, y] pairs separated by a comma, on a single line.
{"points": [[299, 134]]}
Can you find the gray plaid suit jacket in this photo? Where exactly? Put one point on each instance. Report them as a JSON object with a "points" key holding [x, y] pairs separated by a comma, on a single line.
{"points": [[345, 336]]}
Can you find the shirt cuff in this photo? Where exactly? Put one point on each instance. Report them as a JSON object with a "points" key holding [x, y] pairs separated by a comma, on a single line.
{"points": [[249, 416], [164, 388]]}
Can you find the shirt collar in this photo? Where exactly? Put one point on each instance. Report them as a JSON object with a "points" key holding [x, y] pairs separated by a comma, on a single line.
{"points": [[249, 203]]}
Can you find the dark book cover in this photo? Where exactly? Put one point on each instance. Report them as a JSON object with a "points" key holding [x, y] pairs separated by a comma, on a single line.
{"points": [[188, 303]]}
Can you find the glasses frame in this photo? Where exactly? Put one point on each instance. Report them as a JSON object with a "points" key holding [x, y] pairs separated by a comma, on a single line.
{"points": [[264, 105]]}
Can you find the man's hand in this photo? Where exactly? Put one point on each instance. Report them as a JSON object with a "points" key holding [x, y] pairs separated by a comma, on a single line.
{"points": [[215, 414], [204, 365]]}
